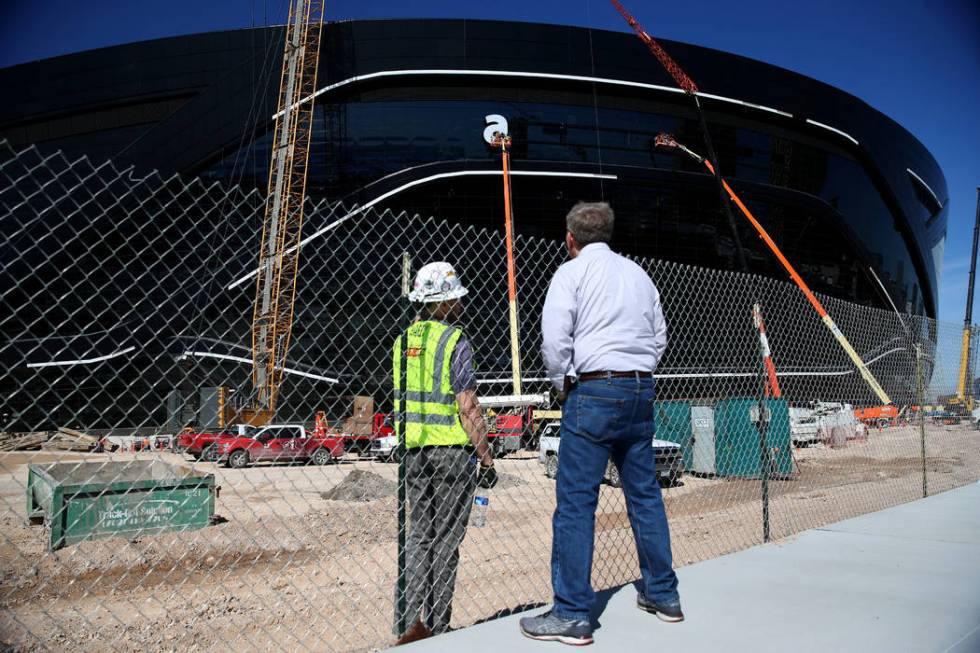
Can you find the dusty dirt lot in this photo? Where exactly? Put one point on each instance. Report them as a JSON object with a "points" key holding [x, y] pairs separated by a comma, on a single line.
{"points": [[293, 569]]}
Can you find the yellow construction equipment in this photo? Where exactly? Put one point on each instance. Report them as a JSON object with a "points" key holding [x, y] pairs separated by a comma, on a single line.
{"points": [[964, 389]]}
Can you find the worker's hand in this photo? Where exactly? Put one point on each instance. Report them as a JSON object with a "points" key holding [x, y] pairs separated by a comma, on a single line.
{"points": [[562, 398], [486, 476]]}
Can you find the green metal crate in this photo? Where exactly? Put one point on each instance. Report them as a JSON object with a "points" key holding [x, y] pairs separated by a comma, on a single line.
{"points": [[673, 420], [94, 500], [737, 450]]}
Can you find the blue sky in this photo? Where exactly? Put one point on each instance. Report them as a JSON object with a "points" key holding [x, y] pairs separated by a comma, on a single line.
{"points": [[916, 61]]}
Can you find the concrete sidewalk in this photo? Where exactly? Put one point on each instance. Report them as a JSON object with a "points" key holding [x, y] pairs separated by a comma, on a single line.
{"points": [[903, 579]]}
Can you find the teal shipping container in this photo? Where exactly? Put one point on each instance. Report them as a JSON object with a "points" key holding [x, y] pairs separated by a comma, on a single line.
{"points": [[737, 451]]}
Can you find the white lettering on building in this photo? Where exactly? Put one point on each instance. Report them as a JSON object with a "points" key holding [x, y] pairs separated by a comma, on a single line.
{"points": [[495, 123]]}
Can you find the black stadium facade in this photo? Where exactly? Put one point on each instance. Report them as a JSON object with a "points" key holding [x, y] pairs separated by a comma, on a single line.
{"points": [[841, 186], [404, 110]]}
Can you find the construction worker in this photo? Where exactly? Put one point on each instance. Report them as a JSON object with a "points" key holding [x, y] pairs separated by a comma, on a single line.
{"points": [[603, 335], [446, 449]]}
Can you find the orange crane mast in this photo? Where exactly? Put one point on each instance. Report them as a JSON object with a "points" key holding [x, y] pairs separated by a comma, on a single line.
{"points": [[503, 141], [668, 141]]}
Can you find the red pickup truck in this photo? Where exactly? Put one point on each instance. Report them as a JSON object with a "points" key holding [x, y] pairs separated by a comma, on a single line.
{"points": [[201, 446], [278, 443]]}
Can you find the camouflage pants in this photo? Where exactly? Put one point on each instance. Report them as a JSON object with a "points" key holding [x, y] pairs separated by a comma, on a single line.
{"points": [[441, 483]]}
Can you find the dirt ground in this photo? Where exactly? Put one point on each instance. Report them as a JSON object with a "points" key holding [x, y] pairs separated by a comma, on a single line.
{"points": [[305, 558]]}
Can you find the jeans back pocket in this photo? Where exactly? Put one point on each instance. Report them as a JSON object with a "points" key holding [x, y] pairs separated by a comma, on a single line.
{"points": [[601, 419]]}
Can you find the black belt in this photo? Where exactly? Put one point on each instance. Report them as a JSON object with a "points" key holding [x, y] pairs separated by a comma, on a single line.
{"points": [[592, 376]]}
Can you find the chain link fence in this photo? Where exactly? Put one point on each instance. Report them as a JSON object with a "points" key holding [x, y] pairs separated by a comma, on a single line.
{"points": [[134, 519]]}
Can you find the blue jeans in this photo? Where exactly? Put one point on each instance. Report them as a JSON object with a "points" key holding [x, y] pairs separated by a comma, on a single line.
{"points": [[606, 418]]}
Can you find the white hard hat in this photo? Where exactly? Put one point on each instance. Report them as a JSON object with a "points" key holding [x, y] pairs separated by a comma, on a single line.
{"points": [[436, 282]]}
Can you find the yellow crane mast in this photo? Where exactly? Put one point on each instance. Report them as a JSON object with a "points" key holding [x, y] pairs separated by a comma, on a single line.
{"points": [[964, 389], [275, 286]]}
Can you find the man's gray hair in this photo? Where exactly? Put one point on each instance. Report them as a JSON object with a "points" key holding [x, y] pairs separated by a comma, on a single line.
{"points": [[591, 222]]}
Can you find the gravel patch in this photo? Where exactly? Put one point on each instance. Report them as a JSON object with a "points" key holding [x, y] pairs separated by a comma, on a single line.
{"points": [[361, 485]]}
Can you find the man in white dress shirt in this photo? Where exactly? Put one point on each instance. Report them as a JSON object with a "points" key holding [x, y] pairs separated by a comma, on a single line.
{"points": [[604, 333]]}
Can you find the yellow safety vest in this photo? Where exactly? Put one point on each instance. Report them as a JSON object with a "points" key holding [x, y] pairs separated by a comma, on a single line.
{"points": [[429, 403]]}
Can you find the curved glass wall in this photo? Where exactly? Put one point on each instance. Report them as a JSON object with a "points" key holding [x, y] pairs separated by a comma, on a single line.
{"points": [[815, 200]]}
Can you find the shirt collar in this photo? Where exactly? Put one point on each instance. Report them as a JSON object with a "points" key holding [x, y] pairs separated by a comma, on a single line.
{"points": [[594, 248], [432, 319]]}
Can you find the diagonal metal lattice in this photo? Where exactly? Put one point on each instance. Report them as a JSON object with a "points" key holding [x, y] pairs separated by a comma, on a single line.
{"points": [[128, 303]]}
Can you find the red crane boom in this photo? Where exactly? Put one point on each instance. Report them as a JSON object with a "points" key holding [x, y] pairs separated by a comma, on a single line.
{"points": [[665, 59]]}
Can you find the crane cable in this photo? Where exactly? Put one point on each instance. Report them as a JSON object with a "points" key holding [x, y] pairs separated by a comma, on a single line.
{"points": [[689, 87]]}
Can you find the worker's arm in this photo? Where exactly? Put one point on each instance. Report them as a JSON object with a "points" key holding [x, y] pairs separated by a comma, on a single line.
{"points": [[471, 415], [462, 375], [659, 326], [557, 326]]}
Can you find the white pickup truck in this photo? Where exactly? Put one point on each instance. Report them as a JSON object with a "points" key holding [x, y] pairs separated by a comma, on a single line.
{"points": [[384, 449], [809, 425], [667, 456]]}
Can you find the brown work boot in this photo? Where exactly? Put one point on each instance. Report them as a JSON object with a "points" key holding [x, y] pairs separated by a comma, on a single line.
{"points": [[417, 631]]}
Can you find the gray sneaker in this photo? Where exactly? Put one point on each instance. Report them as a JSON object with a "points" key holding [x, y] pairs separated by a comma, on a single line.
{"points": [[667, 611], [550, 628]]}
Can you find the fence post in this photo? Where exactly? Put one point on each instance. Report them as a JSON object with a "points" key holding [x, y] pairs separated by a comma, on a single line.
{"points": [[921, 392], [763, 427], [763, 424], [401, 600]]}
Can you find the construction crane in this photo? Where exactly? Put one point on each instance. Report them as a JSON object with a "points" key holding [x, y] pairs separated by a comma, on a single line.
{"points": [[710, 162], [668, 141], [687, 84], [964, 390], [275, 285]]}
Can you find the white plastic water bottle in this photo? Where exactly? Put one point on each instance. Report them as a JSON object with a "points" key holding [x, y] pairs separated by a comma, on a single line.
{"points": [[481, 503]]}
